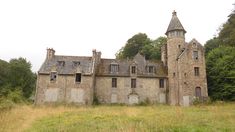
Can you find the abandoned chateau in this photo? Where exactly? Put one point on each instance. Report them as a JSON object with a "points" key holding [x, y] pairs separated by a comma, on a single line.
{"points": [[177, 79]]}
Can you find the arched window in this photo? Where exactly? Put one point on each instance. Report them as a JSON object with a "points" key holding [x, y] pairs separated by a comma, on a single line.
{"points": [[198, 92]]}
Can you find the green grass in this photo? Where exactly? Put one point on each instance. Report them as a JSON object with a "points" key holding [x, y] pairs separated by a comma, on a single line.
{"points": [[215, 117]]}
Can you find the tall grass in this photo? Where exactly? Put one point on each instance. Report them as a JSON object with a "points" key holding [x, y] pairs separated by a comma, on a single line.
{"points": [[215, 117]]}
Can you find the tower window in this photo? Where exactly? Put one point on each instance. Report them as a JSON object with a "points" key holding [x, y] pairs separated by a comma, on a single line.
{"points": [[133, 69], [78, 77], [196, 71], [53, 76], [195, 55], [161, 83], [114, 82], [133, 83]]}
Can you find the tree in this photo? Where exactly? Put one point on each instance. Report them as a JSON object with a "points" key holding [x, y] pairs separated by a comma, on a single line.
{"points": [[140, 43], [221, 73], [211, 44], [133, 46], [21, 76]]}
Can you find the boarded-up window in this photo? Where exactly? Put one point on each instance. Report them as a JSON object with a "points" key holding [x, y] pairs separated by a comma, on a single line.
{"points": [[198, 92], [51, 95], [161, 83], [78, 77], [196, 71], [114, 82], [133, 83], [77, 95], [53, 76]]}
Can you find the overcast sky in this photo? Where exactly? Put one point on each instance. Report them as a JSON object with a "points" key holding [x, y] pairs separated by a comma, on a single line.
{"points": [[75, 27]]}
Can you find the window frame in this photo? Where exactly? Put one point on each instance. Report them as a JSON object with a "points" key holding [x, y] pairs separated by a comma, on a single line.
{"points": [[133, 82], [114, 68], [53, 76], [133, 69], [196, 71], [114, 82], [195, 55], [78, 78], [161, 83]]}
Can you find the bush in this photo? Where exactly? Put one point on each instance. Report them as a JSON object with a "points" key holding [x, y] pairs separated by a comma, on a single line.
{"points": [[6, 104]]}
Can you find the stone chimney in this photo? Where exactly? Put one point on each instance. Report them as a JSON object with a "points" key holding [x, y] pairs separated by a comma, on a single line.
{"points": [[50, 53]]}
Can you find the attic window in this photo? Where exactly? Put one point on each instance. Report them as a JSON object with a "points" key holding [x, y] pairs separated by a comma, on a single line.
{"points": [[76, 63], [61, 63], [195, 55], [150, 69], [133, 69], [114, 68], [53, 76]]}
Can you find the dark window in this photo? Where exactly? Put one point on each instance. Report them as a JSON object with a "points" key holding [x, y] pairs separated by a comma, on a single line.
{"points": [[161, 83], [114, 68], [198, 92], [133, 69], [53, 76], [114, 82], [60, 63], [195, 55], [78, 77], [76, 63], [196, 71], [150, 69], [133, 83]]}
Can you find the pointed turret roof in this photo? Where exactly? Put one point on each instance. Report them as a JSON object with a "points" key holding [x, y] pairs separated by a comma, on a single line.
{"points": [[175, 24]]}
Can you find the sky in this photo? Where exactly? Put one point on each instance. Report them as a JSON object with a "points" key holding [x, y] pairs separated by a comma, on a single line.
{"points": [[76, 27]]}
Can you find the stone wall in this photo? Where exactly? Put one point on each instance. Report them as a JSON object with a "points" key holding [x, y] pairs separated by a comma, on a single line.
{"points": [[146, 88], [64, 89]]}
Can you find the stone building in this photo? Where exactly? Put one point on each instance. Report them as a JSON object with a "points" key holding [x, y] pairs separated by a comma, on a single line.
{"points": [[177, 79]]}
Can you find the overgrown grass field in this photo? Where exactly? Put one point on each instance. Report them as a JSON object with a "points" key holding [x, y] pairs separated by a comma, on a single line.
{"points": [[215, 117]]}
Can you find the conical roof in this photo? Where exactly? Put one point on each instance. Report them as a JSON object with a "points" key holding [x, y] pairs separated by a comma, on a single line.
{"points": [[175, 24]]}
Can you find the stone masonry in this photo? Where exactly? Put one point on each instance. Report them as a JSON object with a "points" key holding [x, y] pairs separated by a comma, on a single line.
{"points": [[178, 79]]}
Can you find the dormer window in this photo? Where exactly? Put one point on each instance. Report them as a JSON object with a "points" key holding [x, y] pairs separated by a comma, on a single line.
{"points": [[76, 63], [53, 76], [60, 63], [150, 69], [133, 69], [114, 68], [195, 55]]}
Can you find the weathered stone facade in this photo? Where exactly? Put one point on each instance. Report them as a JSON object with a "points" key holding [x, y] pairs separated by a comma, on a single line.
{"points": [[177, 79]]}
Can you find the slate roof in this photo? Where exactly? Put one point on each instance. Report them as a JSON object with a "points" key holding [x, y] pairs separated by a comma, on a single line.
{"points": [[175, 24], [124, 67], [67, 65]]}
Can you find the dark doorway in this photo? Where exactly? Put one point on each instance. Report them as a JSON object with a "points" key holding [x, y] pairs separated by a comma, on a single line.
{"points": [[198, 92]]}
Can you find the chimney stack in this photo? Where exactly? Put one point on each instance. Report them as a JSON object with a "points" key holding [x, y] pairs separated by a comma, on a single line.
{"points": [[50, 53]]}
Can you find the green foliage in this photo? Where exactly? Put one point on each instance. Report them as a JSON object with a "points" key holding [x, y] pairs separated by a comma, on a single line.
{"points": [[17, 81], [221, 73], [211, 44], [140, 43], [227, 33]]}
